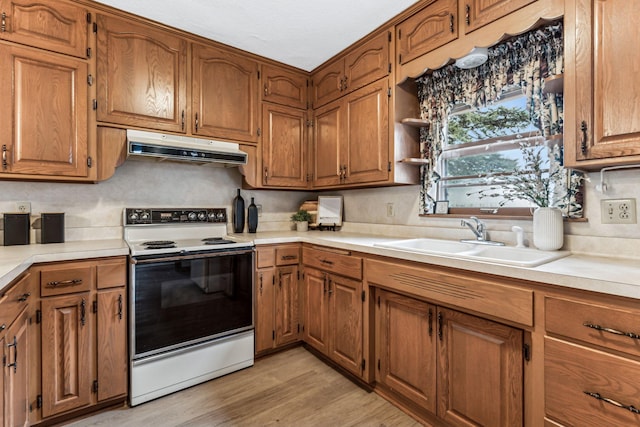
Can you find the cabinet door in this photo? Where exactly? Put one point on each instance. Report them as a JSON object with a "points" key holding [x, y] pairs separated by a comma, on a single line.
{"points": [[316, 331], [480, 378], [328, 131], [265, 332], [479, 13], [112, 343], [368, 63], [46, 24], [5, 372], [407, 348], [327, 84], [365, 151], [141, 76], [345, 319], [284, 87], [17, 374], [286, 305], [68, 350], [225, 95], [284, 147], [43, 114], [601, 86], [432, 27]]}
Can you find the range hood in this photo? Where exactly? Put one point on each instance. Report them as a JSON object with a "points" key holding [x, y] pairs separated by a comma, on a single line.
{"points": [[161, 147]]}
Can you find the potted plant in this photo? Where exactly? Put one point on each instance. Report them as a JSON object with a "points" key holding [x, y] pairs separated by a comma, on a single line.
{"points": [[301, 218]]}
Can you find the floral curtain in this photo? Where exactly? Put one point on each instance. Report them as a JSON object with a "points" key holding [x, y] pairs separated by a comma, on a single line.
{"points": [[525, 61]]}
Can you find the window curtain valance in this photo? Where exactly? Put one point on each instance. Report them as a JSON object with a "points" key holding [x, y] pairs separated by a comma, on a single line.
{"points": [[524, 60]]}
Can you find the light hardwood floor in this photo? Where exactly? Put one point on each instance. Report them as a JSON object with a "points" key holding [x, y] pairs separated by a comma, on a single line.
{"points": [[292, 388]]}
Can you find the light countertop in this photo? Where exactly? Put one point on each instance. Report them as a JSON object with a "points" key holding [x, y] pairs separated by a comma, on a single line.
{"points": [[598, 274]]}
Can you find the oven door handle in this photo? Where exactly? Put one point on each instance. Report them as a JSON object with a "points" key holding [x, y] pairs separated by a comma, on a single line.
{"points": [[188, 256]]}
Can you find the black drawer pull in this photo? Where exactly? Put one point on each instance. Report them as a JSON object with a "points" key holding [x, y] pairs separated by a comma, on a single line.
{"points": [[61, 283], [24, 297], [612, 331], [598, 396], [326, 261], [288, 257]]}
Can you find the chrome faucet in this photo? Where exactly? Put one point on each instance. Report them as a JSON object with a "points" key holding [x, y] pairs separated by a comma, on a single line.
{"points": [[478, 228]]}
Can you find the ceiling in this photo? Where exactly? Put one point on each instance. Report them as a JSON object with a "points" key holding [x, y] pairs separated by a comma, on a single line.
{"points": [[301, 33]]}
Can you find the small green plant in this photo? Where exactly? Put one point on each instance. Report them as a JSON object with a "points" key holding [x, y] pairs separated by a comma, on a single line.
{"points": [[301, 216]]}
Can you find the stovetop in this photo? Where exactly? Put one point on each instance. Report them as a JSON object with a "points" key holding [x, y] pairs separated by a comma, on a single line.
{"points": [[155, 231]]}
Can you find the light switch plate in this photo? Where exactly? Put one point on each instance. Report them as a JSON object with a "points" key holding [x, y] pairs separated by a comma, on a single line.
{"points": [[618, 211]]}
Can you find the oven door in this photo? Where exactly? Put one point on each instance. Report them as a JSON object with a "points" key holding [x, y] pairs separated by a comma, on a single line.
{"points": [[180, 300]]}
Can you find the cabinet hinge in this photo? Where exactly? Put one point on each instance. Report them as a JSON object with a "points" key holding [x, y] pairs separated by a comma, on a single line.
{"points": [[389, 92], [389, 66], [90, 80], [309, 123], [94, 388], [38, 316], [378, 301], [363, 364], [400, 58], [89, 52], [259, 132], [298, 327], [94, 307], [399, 34], [273, 335], [95, 27], [4, 360], [89, 162], [378, 364], [88, 18], [39, 401], [298, 275], [389, 167], [95, 104], [273, 280], [363, 296], [258, 74], [526, 352], [307, 105], [389, 36]]}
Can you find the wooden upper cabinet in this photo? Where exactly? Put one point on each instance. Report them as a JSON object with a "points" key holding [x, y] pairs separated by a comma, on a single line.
{"points": [[361, 66], [43, 114], [478, 13], [368, 63], [430, 28], [46, 24], [327, 83], [225, 95], [284, 87], [141, 75], [284, 145], [602, 112], [328, 131]]}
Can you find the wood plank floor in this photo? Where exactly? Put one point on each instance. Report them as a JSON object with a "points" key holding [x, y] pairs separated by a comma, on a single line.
{"points": [[292, 388]]}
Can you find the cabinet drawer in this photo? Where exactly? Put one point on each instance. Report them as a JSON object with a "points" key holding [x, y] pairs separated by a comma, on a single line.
{"points": [[343, 264], [65, 279], [572, 371], [265, 257], [14, 300], [112, 274], [287, 255], [608, 326]]}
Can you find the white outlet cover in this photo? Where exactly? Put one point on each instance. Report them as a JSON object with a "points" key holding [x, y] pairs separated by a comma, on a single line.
{"points": [[618, 211]]}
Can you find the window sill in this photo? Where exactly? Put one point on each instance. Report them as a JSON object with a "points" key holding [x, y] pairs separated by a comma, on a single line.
{"points": [[492, 216]]}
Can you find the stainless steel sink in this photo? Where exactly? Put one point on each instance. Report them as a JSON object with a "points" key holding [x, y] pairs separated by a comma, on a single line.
{"points": [[521, 257]]}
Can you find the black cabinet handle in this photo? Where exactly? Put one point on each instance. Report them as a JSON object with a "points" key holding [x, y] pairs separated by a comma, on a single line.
{"points": [[61, 283], [120, 308], [598, 396], [24, 297], [83, 312], [440, 325], [15, 355], [451, 18], [430, 322], [612, 331], [585, 137]]}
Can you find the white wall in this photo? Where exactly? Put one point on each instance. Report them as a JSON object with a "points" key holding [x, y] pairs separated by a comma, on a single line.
{"points": [[96, 209]]}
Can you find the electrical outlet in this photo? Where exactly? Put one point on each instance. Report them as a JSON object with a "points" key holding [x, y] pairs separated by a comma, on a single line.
{"points": [[259, 210], [391, 211], [618, 211], [24, 207]]}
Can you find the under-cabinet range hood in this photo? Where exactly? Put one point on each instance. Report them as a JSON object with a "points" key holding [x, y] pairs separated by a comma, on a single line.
{"points": [[161, 146]]}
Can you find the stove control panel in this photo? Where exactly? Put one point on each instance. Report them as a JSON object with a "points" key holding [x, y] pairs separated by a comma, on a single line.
{"points": [[142, 216]]}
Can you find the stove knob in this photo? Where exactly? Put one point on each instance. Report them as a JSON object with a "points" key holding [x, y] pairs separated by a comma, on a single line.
{"points": [[212, 216], [192, 216], [202, 216], [144, 216], [133, 216], [220, 215]]}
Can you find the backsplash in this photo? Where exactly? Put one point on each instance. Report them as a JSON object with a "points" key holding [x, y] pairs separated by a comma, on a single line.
{"points": [[95, 210]]}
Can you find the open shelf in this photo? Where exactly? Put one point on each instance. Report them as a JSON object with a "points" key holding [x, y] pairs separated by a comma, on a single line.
{"points": [[417, 123]]}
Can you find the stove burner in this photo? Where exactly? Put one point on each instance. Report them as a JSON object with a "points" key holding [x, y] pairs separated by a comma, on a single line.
{"points": [[159, 244], [216, 241]]}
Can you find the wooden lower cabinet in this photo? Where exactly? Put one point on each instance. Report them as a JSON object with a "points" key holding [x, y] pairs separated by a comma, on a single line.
{"points": [[465, 370], [84, 334], [277, 297], [333, 317]]}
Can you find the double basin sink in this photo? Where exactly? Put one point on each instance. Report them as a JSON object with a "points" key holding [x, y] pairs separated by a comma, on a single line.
{"points": [[509, 255]]}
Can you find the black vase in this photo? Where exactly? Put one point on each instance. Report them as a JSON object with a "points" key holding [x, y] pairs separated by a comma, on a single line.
{"points": [[252, 217], [238, 213]]}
